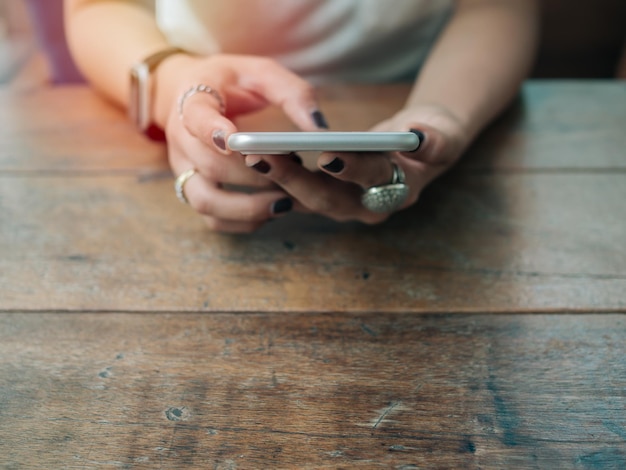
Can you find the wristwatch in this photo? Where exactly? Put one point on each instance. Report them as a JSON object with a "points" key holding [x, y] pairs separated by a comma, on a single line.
{"points": [[141, 94]]}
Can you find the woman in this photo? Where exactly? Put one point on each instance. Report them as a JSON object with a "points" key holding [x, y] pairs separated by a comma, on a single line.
{"points": [[212, 61]]}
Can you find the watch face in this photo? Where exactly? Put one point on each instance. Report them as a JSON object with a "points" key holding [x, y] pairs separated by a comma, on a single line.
{"points": [[132, 102], [139, 105]]}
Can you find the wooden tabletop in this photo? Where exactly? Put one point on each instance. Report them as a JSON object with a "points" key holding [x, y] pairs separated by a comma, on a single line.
{"points": [[482, 328]]}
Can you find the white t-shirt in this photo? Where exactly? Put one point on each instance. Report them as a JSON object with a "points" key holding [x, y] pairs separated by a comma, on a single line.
{"points": [[321, 40]]}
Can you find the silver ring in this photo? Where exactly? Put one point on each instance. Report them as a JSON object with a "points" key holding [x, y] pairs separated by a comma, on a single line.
{"points": [[179, 184], [200, 89], [387, 197]]}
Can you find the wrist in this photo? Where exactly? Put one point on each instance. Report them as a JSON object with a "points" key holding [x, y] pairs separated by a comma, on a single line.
{"points": [[170, 80], [141, 102]]}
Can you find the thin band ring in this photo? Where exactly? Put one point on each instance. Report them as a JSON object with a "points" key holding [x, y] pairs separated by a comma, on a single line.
{"points": [[179, 184], [200, 89]]}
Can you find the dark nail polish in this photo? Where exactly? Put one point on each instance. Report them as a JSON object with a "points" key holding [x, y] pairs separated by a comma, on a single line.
{"points": [[420, 135], [262, 166], [219, 139], [319, 119], [335, 166], [296, 158], [282, 205]]}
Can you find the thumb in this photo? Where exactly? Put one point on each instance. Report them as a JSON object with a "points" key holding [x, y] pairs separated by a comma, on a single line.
{"points": [[435, 148]]}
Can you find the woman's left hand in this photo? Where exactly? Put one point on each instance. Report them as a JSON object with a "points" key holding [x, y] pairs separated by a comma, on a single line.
{"points": [[336, 190]]}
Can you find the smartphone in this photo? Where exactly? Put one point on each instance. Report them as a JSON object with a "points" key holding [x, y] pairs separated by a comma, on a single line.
{"points": [[287, 142]]}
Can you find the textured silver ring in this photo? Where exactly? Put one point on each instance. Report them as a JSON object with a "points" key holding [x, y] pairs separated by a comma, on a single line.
{"points": [[200, 89], [179, 184], [387, 197]]}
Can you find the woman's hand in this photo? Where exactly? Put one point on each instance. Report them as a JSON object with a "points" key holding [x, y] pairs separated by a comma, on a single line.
{"points": [[336, 190], [197, 132]]}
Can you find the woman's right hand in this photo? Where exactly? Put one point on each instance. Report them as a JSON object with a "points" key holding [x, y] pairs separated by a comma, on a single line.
{"points": [[197, 133]]}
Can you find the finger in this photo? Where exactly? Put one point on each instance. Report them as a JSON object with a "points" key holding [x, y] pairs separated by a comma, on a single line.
{"points": [[213, 201], [188, 152], [434, 149], [241, 101], [201, 116], [294, 95], [375, 170], [316, 192], [364, 169]]}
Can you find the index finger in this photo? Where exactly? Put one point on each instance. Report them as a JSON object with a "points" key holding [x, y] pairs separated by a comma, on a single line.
{"points": [[201, 113], [283, 88]]}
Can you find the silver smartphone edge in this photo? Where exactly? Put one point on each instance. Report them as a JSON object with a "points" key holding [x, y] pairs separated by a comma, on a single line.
{"points": [[287, 142]]}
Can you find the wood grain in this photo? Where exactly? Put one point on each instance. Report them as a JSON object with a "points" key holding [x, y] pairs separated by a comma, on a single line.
{"points": [[557, 126], [553, 125], [528, 222], [507, 242], [312, 391], [70, 129], [132, 337]]}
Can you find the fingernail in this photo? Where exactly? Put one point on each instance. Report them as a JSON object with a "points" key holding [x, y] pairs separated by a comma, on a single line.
{"points": [[219, 139], [295, 158], [262, 166], [420, 135], [319, 119], [281, 206], [334, 166]]}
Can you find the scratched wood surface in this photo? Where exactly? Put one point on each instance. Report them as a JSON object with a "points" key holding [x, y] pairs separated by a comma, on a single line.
{"points": [[506, 242], [233, 391], [531, 220], [303, 345]]}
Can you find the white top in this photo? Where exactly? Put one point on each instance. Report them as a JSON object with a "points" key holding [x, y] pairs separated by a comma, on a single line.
{"points": [[322, 40]]}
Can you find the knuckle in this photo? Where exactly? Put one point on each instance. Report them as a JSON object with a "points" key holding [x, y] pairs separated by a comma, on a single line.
{"points": [[375, 179], [267, 64], [282, 176], [325, 205], [211, 170], [190, 123], [307, 90], [204, 206]]}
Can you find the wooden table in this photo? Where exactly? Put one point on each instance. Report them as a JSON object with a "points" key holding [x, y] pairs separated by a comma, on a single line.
{"points": [[483, 328]]}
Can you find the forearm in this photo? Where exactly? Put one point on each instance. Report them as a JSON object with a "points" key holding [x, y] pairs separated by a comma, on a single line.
{"points": [[479, 62], [107, 37]]}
